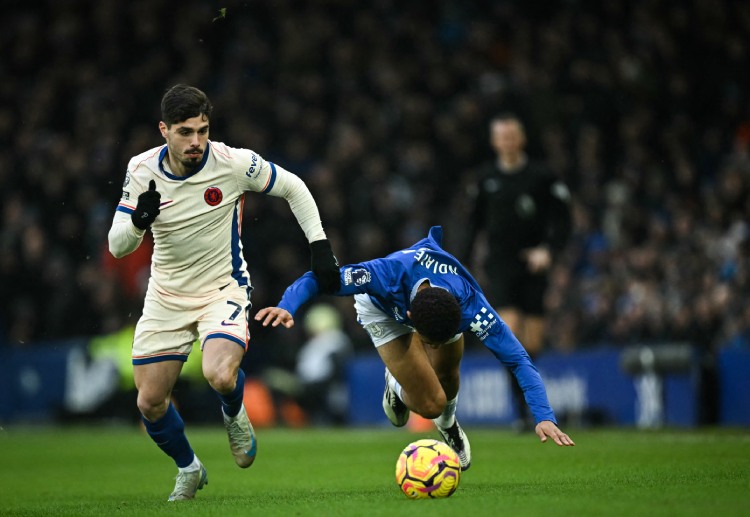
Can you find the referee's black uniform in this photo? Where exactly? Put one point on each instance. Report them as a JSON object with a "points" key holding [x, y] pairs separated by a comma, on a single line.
{"points": [[521, 209]]}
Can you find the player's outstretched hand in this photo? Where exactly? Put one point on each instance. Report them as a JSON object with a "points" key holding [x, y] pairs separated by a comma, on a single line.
{"points": [[325, 266], [147, 208], [545, 429], [275, 317]]}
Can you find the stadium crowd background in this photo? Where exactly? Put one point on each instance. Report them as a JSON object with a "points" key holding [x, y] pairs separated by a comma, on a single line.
{"points": [[641, 106]]}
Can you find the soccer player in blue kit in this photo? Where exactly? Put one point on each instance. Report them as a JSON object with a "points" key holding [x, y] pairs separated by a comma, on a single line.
{"points": [[190, 192], [416, 304]]}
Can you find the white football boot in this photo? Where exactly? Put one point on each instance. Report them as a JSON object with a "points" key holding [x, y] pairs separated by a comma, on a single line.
{"points": [[394, 407], [241, 438], [188, 483], [456, 438]]}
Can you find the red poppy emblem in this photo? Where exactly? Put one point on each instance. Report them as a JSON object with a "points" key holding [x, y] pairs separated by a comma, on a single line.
{"points": [[213, 196]]}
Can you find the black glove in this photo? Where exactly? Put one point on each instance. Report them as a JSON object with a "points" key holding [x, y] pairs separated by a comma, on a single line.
{"points": [[325, 266], [147, 208]]}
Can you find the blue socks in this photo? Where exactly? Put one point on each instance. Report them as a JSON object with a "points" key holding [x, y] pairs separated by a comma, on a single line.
{"points": [[169, 431], [169, 434], [232, 402]]}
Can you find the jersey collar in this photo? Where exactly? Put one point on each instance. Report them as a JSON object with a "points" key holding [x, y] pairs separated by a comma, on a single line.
{"points": [[169, 175]]}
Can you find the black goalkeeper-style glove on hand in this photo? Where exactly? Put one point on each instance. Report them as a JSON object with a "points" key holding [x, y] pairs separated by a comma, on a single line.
{"points": [[325, 266], [147, 208]]}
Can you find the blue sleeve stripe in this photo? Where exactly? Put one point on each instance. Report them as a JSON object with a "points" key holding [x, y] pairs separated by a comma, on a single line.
{"points": [[272, 180], [125, 209]]}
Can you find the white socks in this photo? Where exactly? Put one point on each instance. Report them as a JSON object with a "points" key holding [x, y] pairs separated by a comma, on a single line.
{"points": [[195, 465], [448, 416], [395, 386]]}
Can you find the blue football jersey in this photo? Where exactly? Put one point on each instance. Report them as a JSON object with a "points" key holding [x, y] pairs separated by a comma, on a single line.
{"points": [[392, 283]]}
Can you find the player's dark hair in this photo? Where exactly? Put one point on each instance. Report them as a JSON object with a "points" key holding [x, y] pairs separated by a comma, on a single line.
{"points": [[182, 102], [435, 314]]}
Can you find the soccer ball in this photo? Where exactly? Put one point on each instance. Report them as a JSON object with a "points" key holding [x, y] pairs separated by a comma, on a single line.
{"points": [[428, 469]]}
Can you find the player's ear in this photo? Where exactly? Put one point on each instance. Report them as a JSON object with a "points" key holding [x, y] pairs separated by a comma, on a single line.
{"points": [[408, 314], [163, 129]]}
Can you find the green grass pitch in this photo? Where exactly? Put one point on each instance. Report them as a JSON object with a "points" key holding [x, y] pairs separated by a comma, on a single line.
{"points": [[103, 470]]}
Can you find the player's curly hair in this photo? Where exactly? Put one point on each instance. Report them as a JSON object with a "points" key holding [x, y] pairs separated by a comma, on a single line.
{"points": [[182, 102], [435, 314]]}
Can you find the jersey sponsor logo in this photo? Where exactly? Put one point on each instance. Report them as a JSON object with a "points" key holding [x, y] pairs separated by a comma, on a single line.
{"points": [[482, 323], [492, 185], [525, 206], [125, 194], [356, 276], [213, 196], [127, 179], [253, 170], [560, 191], [432, 264]]}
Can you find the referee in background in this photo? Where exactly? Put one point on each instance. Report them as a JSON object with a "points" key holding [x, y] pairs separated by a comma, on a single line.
{"points": [[524, 212]]}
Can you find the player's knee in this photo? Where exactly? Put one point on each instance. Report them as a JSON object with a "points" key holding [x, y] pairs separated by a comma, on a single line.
{"points": [[432, 407], [152, 408], [221, 380]]}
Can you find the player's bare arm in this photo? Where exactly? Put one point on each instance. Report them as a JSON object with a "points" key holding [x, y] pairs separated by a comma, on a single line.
{"points": [[275, 316]]}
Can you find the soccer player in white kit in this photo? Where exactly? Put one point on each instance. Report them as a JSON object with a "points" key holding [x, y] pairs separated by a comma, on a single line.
{"points": [[191, 192]]}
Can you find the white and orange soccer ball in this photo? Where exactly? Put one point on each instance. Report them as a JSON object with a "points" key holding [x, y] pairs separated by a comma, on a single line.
{"points": [[428, 469]]}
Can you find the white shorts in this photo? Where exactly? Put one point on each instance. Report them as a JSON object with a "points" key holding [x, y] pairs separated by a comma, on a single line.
{"points": [[171, 324], [379, 325]]}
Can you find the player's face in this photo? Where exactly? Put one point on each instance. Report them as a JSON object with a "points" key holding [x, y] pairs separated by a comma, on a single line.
{"points": [[507, 137], [186, 141]]}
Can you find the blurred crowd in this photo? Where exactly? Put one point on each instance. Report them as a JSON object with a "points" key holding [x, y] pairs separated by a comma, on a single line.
{"points": [[642, 107]]}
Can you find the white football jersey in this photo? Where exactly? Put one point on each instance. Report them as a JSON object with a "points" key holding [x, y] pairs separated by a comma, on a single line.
{"points": [[197, 244]]}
